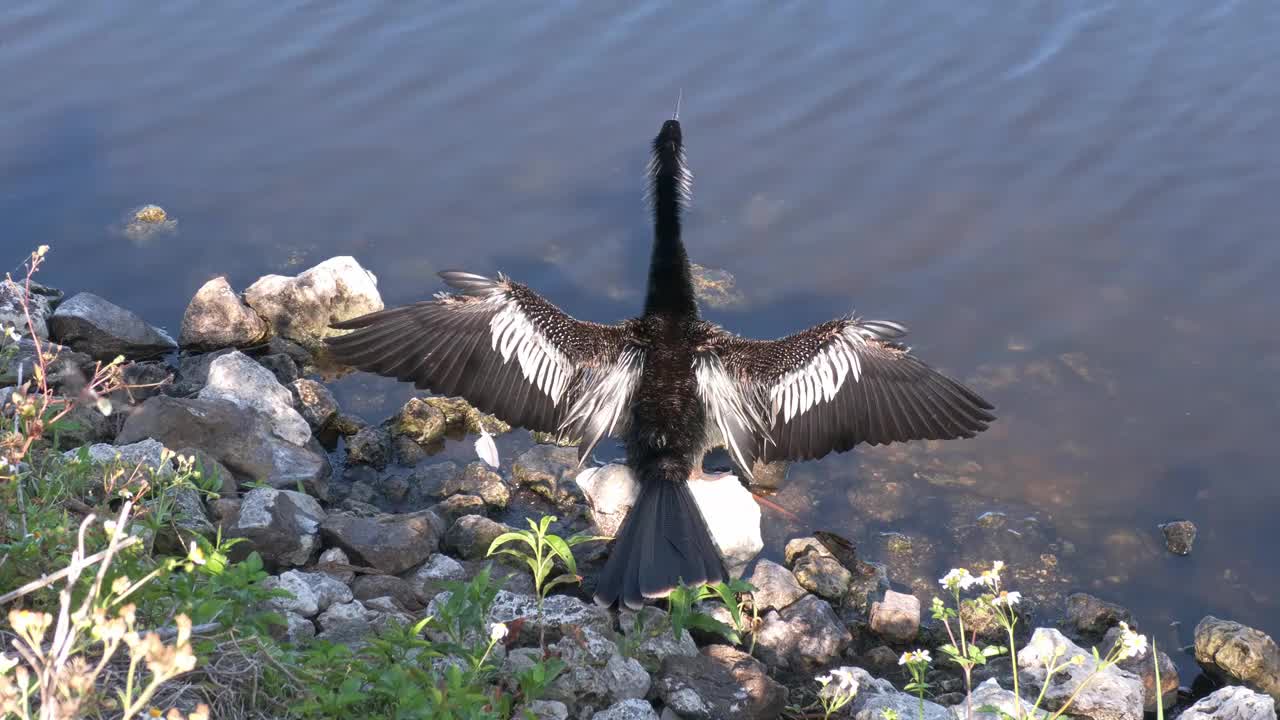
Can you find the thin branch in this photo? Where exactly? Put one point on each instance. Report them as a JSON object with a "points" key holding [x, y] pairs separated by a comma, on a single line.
{"points": [[55, 577]]}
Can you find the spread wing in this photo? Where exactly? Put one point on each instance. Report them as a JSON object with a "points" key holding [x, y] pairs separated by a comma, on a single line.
{"points": [[828, 388], [508, 352]]}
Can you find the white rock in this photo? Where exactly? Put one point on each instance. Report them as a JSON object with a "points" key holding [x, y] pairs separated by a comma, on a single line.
{"points": [[1232, 703], [298, 629], [146, 453], [1112, 694], [634, 709], [240, 380], [302, 308], [217, 318], [327, 589], [731, 512], [990, 693], [302, 599], [346, 622]]}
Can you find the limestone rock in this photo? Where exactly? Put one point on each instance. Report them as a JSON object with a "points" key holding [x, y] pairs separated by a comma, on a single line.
{"points": [[804, 636], [216, 318], [633, 709], [470, 536], [371, 446], [776, 588], [301, 308], [236, 378], [12, 293], [428, 579], [314, 402], [477, 479], [1113, 694], [896, 617], [1232, 703], [1229, 650], [648, 633], [282, 525], [368, 587], [335, 557], [92, 325], [720, 682], [1091, 618], [1179, 536]]}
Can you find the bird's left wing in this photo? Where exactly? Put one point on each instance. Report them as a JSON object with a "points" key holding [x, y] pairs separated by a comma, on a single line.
{"points": [[507, 351], [826, 389]]}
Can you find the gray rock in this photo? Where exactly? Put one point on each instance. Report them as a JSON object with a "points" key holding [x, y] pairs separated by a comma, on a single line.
{"points": [[816, 569], [281, 366], [241, 439], [542, 710], [1231, 651], [216, 318], [301, 308], [390, 543], [634, 709], [346, 623], [990, 693], [67, 372], [455, 507], [649, 638], [470, 536], [776, 588], [91, 325], [732, 515], [314, 402], [876, 696], [896, 617], [1232, 703], [193, 370], [327, 589], [302, 599], [477, 479], [236, 378], [1179, 536], [282, 525], [145, 453], [223, 511], [1142, 666], [548, 470], [805, 636], [595, 673], [297, 629], [332, 557], [720, 682], [1112, 694], [561, 614], [387, 610], [188, 519], [145, 379], [368, 587], [1091, 618], [428, 580], [12, 294], [371, 446]]}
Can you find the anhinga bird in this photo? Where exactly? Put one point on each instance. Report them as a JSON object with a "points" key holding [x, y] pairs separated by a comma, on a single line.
{"points": [[668, 384]]}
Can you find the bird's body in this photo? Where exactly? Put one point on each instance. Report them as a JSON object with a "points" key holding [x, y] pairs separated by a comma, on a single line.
{"points": [[669, 384]]}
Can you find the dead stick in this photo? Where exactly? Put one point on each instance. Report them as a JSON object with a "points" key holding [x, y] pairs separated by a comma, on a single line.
{"points": [[55, 577]]}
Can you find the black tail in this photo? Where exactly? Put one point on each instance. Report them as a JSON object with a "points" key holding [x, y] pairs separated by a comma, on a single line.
{"points": [[664, 542]]}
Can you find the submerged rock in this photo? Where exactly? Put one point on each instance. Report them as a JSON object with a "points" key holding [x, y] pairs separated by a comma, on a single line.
{"points": [[1179, 536], [420, 422], [462, 416], [1231, 651], [477, 479], [1091, 617], [283, 526], [92, 325], [217, 318], [301, 308], [1112, 694], [371, 446], [1232, 703]]}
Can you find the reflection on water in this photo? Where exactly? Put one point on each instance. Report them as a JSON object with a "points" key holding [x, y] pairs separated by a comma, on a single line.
{"points": [[1070, 204]]}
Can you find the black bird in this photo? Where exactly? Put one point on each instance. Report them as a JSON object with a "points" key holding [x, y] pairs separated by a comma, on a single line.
{"points": [[669, 384]]}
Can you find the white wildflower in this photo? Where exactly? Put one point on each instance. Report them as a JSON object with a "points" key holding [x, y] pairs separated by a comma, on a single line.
{"points": [[823, 680], [497, 632], [1131, 643], [958, 578], [486, 449], [915, 656], [12, 333], [848, 683], [1007, 599], [104, 406], [991, 578]]}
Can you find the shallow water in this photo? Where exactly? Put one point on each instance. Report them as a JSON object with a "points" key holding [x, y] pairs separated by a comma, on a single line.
{"points": [[1071, 204]]}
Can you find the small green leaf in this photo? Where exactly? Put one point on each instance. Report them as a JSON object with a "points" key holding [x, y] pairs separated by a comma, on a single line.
{"points": [[560, 580], [507, 537], [561, 548]]}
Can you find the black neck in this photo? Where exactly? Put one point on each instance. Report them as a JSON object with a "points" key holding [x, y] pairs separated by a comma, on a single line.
{"points": [[670, 278]]}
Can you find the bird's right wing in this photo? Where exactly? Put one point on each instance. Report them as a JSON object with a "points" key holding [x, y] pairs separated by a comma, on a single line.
{"points": [[508, 352]]}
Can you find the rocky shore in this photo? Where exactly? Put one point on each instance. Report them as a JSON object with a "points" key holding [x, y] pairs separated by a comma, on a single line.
{"points": [[362, 524]]}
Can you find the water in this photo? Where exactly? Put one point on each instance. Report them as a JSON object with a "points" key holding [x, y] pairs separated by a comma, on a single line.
{"points": [[1071, 204]]}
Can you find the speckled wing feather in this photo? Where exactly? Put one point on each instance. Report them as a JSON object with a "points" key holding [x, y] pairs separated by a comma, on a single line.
{"points": [[507, 351], [830, 387]]}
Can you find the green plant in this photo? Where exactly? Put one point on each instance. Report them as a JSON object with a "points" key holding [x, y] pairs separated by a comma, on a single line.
{"points": [[837, 690], [544, 549], [683, 599], [62, 674], [961, 650], [917, 662]]}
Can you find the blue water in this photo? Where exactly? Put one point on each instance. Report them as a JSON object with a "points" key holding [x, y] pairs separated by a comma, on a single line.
{"points": [[1071, 204]]}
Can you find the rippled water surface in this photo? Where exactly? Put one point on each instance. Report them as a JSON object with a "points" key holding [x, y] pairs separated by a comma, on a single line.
{"points": [[1071, 204]]}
